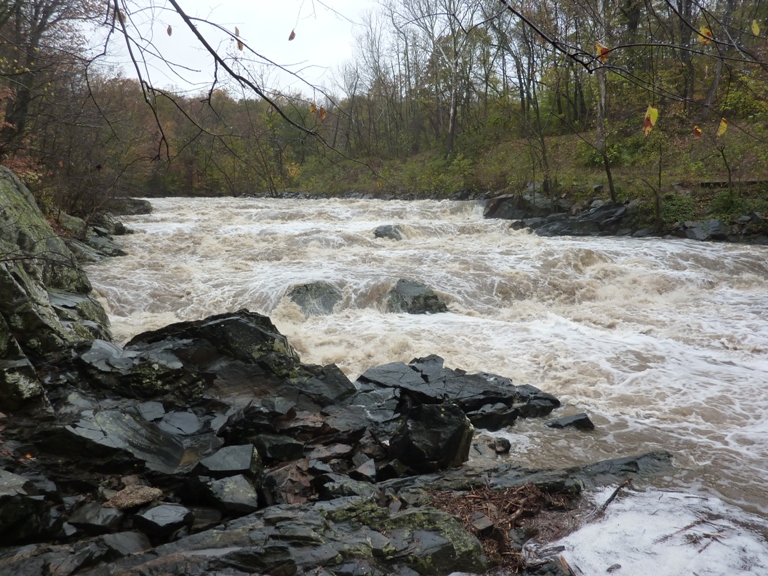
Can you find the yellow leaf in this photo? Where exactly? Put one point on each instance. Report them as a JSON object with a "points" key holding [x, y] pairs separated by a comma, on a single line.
{"points": [[651, 115], [755, 28], [323, 113], [602, 51], [170, 30], [705, 35], [292, 35], [722, 127], [697, 132], [313, 108]]}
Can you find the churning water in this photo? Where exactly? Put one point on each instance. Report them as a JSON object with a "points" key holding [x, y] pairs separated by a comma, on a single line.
{"points": [[663, 342]]}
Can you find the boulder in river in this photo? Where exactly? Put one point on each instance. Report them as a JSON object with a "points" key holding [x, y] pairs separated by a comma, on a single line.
{"points": [[316, 298], [414, 298], [391, 231]]}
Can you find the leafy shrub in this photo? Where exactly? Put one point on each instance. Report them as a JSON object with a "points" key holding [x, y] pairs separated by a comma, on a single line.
{"points": [[728, 204], [675, 208]]}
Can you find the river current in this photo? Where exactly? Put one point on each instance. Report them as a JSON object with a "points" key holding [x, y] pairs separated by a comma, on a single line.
{"points": [[664, 343]]}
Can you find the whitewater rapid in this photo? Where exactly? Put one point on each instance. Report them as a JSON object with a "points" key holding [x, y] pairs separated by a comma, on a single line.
{"points": [[664, 343]]}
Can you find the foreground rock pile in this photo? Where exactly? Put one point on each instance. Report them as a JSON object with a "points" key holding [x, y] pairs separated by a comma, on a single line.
{"points": [[208, 447]]}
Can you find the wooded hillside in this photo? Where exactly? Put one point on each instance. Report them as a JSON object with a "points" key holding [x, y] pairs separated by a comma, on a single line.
{"points": [[444, 96]]}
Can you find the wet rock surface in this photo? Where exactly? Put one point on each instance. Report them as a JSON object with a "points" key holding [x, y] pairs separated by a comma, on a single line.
{"points": [[315, 299], [414, 298], [554, 217], [232, 456]]}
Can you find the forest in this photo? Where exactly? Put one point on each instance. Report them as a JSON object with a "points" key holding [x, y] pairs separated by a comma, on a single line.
{"points": [[650, 99]]}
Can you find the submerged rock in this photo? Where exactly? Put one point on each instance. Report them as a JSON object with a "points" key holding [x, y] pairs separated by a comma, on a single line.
{"points": [[315, 299], [414, 298], [391, 231]]}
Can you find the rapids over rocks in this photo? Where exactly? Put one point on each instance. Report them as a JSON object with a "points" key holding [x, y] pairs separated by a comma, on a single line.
{"points": [[664, 343]]}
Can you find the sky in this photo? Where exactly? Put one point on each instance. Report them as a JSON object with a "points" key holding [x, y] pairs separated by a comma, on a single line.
{"points": [[324, 38]]}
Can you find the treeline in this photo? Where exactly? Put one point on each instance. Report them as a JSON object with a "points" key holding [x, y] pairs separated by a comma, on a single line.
{"points": [[436, 90]]}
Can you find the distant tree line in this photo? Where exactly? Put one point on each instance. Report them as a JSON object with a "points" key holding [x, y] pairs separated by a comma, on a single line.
{"points": [[446, 76]]}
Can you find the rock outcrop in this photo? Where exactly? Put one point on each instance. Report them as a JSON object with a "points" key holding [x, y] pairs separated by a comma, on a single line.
{"points": [[46, 302]]}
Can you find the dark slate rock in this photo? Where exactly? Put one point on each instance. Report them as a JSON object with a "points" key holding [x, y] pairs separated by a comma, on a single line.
{"points": [[541, 404], [124, 543], [163, 520], [123, 206], [426, 380], [180, 423], [288, 483], [229, 461], [644, 233], [508, 207], [150, 410], [493, 417], [122, 434], [366, 471], [256, 418], [234, 494], [23, 514], [414, 298], [315, 299], [151, 372], [391, 231], [580, 421], [104, 246], [696, 232], [501, 446], [278, 448], [330, 486], [95, 519], [433, 437], [325, 385]]}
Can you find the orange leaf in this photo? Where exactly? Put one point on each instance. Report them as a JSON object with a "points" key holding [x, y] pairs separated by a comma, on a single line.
{"points": [[313, 108], [169, 30], [602, 51], [292, 36], [697, 132], [722, 127], [705, 35], [322, 114]]}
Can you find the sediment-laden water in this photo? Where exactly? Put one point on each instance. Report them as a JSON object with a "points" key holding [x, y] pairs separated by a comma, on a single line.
{"points": [[663, 342]]}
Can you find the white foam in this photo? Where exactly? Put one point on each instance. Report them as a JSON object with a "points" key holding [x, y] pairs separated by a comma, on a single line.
{"points": [[667, 534]]}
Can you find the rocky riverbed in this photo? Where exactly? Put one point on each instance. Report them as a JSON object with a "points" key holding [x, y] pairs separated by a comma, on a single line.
{"points": [[209, 447]]}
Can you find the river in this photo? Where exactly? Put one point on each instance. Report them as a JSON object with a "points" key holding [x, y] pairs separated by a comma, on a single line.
{"points": [[664, 343]]}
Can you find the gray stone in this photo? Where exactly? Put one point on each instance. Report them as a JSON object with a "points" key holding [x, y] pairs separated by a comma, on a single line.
{"points": [[414, 298], [93, 518], [234, 494], [315, 299], [272, 447], [229, 461], [433, 437], [163, 520], [23, 514], [124, 543], [580, 421], [391, 231]]}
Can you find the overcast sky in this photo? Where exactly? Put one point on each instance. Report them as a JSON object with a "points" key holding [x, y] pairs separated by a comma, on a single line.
{"points": [[324, 37]]}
